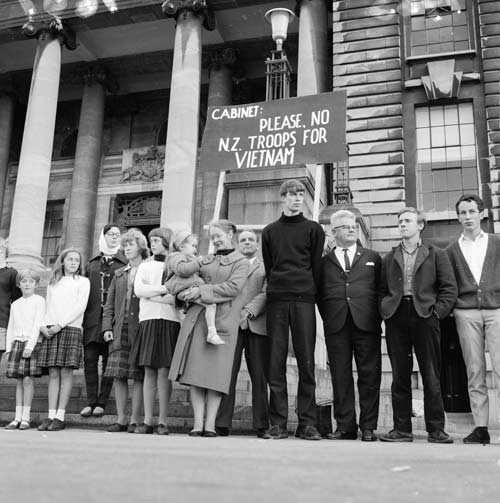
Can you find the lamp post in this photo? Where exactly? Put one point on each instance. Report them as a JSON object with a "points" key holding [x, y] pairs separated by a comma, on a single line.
{"points": [[278, 68]]}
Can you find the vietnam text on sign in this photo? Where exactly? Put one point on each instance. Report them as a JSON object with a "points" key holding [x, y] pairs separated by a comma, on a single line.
{"points": [[305, 130]]}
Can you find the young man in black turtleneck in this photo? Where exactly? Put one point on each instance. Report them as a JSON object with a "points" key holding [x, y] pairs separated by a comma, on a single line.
{"points": [[292, 247]]}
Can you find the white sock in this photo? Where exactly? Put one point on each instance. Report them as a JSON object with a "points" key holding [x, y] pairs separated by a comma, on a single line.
{"points": [[52, 413], [19, 413], [26, 413], [60, 414]]}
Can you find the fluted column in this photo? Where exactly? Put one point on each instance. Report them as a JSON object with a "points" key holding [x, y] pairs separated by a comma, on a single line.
{"points": [[7, 104], [181, 150], [82, 204], [313, 61], [30, 199]]}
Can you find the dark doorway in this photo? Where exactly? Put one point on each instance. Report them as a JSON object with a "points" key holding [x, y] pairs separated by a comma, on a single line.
{"points": [[145, 229]]}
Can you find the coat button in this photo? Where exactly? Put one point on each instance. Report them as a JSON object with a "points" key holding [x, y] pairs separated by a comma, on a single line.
{"points": [[348, 298], [347, 284]]}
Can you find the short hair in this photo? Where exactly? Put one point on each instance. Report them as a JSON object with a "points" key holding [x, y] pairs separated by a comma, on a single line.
{"points": [[166, 235], [4, 244], [470, 198], [292, 186], [108, 227], [225, 225], [27, 273], [341, 214], [248, 230], [134, 234], [421, 218]]}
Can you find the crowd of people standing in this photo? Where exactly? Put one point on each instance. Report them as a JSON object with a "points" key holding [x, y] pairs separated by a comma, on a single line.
{"points": [[177, 316]]}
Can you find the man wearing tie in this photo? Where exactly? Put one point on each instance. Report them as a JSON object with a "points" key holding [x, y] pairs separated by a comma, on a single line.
{"points": [[252, 337], [348, 304]]}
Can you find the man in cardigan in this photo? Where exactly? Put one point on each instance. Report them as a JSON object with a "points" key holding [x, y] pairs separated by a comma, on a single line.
{"points": [[348, 302], [292, 247], [252, 336], [475, 258], [418, 289]]}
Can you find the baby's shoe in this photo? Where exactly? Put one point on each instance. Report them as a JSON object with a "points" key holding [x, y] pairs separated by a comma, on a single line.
{"points": [[213, 337]]}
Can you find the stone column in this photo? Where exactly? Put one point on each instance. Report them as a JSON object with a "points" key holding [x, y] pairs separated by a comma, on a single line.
{"points": [[83, 199], [220, 85], [7, 104], [313, 61], [30, 198], [181, 150]]}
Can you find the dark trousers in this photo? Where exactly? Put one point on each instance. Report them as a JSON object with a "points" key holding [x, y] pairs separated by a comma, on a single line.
{"points": [[366, 349], [404, 330], [257, 357], [91, 353], [299, 318]]}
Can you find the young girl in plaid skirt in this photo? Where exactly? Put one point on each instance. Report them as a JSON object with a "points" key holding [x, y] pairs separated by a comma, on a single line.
{"points": [[26, 315], [62, 345], [120, 324]]}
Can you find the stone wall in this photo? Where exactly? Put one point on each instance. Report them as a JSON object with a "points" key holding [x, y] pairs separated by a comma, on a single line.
{"points": [[367, 63]]}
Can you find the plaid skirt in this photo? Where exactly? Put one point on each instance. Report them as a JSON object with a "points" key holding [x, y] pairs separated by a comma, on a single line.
{"points": [[17, 366], [65, 349], [119, 366]]}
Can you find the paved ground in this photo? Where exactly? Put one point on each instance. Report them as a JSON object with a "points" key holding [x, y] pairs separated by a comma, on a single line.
{"points": [[92, 466]]}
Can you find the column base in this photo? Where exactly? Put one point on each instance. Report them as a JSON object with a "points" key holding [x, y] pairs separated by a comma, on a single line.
{"points": [[26, 261]]}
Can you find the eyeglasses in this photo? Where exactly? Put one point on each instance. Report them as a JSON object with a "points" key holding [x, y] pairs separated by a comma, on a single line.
{"points": [[347, 227], [113, 234]]}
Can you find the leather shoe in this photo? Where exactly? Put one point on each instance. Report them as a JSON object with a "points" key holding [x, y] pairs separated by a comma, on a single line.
{"points": [[343, 435], [368, 436], [277, 433], [87, 411], [195, 433], [118, 428], [210, 434], [310, 433], [439, 437], [300, 430], [56, 425], [44, 425], [263, 433], [144, 428], [162, 429], [397, 436], [478, 435], [131, 428], [98, 411], [222, 431]]}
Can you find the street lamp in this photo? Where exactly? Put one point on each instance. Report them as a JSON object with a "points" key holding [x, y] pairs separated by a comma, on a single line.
{"points": [[278, 68]]}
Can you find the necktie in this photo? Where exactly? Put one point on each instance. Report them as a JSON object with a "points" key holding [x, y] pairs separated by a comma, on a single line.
{"points": [[346, 260]]}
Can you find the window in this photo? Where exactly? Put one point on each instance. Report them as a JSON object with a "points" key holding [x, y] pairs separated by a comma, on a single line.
{"points": [[446, 164], [438, 26], [52, 231]]}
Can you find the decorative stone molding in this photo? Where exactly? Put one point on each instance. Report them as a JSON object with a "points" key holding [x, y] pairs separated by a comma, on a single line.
{"points": [[145, 164], [54, 28], [175, 8], [442, 81], [226, 56]]}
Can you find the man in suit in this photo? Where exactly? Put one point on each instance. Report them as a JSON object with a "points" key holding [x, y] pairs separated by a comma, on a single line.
{"points": [[475, 258], [348, 303], [418, 289], [252, 337]]}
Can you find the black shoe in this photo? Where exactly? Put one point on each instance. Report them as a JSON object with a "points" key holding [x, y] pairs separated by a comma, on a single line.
{"points": [[44, 425], [343, 435], [263, 433], [222, 431], [479, 435], [310, 433], [118, 428], [195, 433], [276, 432], [144, 429], [368, 436], [210, 434], [56, 425], [439, 437], [301, 428], [162, 429], [397, 436]]}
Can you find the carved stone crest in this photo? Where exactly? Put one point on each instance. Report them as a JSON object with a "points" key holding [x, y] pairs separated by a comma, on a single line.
{"points": [[144, 164]]}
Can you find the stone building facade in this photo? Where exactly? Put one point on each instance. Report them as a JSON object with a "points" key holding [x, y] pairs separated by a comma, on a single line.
{"points": [[102, 112]]}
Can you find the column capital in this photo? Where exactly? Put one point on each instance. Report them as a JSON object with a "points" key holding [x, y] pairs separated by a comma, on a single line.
{"points": [[298, 4], [225, 56], [176, 8], [54, 28]]}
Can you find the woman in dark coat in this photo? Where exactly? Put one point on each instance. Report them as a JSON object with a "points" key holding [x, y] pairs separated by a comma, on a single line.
{"points": [[100, 271], [204, 367]]}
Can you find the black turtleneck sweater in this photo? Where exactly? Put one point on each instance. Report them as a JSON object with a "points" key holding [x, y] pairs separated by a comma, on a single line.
{"points": [[292, 248]]}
